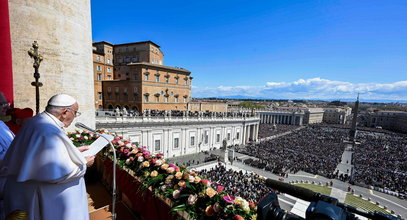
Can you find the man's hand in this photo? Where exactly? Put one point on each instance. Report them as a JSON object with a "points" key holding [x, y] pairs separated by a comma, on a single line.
{"points": [[90, 160], [83, 148]]}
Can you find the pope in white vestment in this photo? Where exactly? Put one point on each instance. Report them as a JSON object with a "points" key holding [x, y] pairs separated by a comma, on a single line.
{"points": [[45, 172]]}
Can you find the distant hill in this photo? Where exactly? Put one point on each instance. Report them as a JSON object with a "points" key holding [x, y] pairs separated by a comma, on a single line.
{"points": [[240, 97]]}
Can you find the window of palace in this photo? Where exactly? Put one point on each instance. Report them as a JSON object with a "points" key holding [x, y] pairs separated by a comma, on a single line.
{"points": [[166, 99], [109, 70], [176, 143], [98, 58], [99, 68], [192, 141], [99, 76], [99, 95], [109, 77], [176, 99], [145, 98], [157, 146], [157, 78]]}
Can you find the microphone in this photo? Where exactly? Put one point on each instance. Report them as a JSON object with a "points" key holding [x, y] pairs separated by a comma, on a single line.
{"points": [[296, 191], [84, 127]]}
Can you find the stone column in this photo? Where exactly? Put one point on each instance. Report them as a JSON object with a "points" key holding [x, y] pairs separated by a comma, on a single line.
{"points": [[63, 32]]}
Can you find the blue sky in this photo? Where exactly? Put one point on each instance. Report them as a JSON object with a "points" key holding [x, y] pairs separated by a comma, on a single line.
{"points": [[315, 49]]}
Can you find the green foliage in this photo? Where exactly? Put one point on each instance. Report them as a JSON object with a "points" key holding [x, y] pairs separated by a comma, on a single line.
{"points": [[316, 188], [363, 204], [250, 105]]}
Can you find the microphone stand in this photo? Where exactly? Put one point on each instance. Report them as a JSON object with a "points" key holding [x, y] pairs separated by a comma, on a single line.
{"points": [[114, 177], [80, 125]]}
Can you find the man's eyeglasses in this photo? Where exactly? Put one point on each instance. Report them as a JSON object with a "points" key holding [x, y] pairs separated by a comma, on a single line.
{"points": [[76, 113]]}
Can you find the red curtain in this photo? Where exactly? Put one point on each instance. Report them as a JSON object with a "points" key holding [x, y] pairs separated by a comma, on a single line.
{"points": [[6, 72]]}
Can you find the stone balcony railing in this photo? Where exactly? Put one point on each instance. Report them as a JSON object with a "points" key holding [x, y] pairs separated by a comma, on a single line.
{"points": [[172, 119]]}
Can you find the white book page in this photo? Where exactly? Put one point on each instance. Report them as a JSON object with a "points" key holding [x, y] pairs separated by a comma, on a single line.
{"points": [[97, 145]]}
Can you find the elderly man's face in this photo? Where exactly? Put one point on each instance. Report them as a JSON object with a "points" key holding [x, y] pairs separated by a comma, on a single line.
{"points": [[69, 114]]}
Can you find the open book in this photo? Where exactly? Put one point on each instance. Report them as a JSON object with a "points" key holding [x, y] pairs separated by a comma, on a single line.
{"points": [[97, 145]]}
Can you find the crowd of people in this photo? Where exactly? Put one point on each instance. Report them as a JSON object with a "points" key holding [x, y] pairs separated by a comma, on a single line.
{"points": [[175, 113], [268, 130], [314, 149], [381, 160], [246, 185]]}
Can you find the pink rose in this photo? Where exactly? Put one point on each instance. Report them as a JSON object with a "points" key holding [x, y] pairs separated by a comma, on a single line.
{"points": [[229, 199], [176, 194], [206, 182], [238, 217], [192, 199]]}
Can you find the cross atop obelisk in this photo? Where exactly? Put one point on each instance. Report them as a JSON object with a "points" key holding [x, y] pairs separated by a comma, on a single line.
{"points": [[33, 52]]}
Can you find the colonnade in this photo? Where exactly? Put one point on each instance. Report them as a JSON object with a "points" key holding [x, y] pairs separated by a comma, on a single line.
{"points": [[251, 132], [289, 119]]}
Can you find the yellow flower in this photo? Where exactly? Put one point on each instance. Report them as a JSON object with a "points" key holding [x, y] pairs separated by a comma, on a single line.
{"points": [[146, 164], [154, 174], [170, 170], [210, 192], [164, 166], [197, 179], [178, 175], [181, 183]]}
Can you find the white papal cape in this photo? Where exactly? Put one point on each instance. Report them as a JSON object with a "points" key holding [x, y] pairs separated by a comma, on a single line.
{"points": [[45, 173]]}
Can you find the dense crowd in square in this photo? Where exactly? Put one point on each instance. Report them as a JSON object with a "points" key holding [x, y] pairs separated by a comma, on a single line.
{"points": [[268, 130], [381, 160], [247, 185], [313, 149]]}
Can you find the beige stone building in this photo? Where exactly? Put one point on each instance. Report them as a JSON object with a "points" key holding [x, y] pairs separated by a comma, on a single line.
{"points": [[102, 69], [150, 86], [311, 115], [206, 106], [391, 120], [338, 115]]}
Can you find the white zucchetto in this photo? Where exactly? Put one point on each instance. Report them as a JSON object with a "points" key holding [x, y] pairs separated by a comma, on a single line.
{"points": [[61, 100]]}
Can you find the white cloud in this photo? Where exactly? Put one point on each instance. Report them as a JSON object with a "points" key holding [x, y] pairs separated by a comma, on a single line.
{"points": [[314, 88]]}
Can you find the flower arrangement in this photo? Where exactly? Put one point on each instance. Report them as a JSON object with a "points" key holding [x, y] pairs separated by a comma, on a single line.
{"points": [[186, 189]]}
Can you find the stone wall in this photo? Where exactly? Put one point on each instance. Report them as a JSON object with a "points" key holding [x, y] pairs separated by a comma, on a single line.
{"points": [[63, 32]]}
